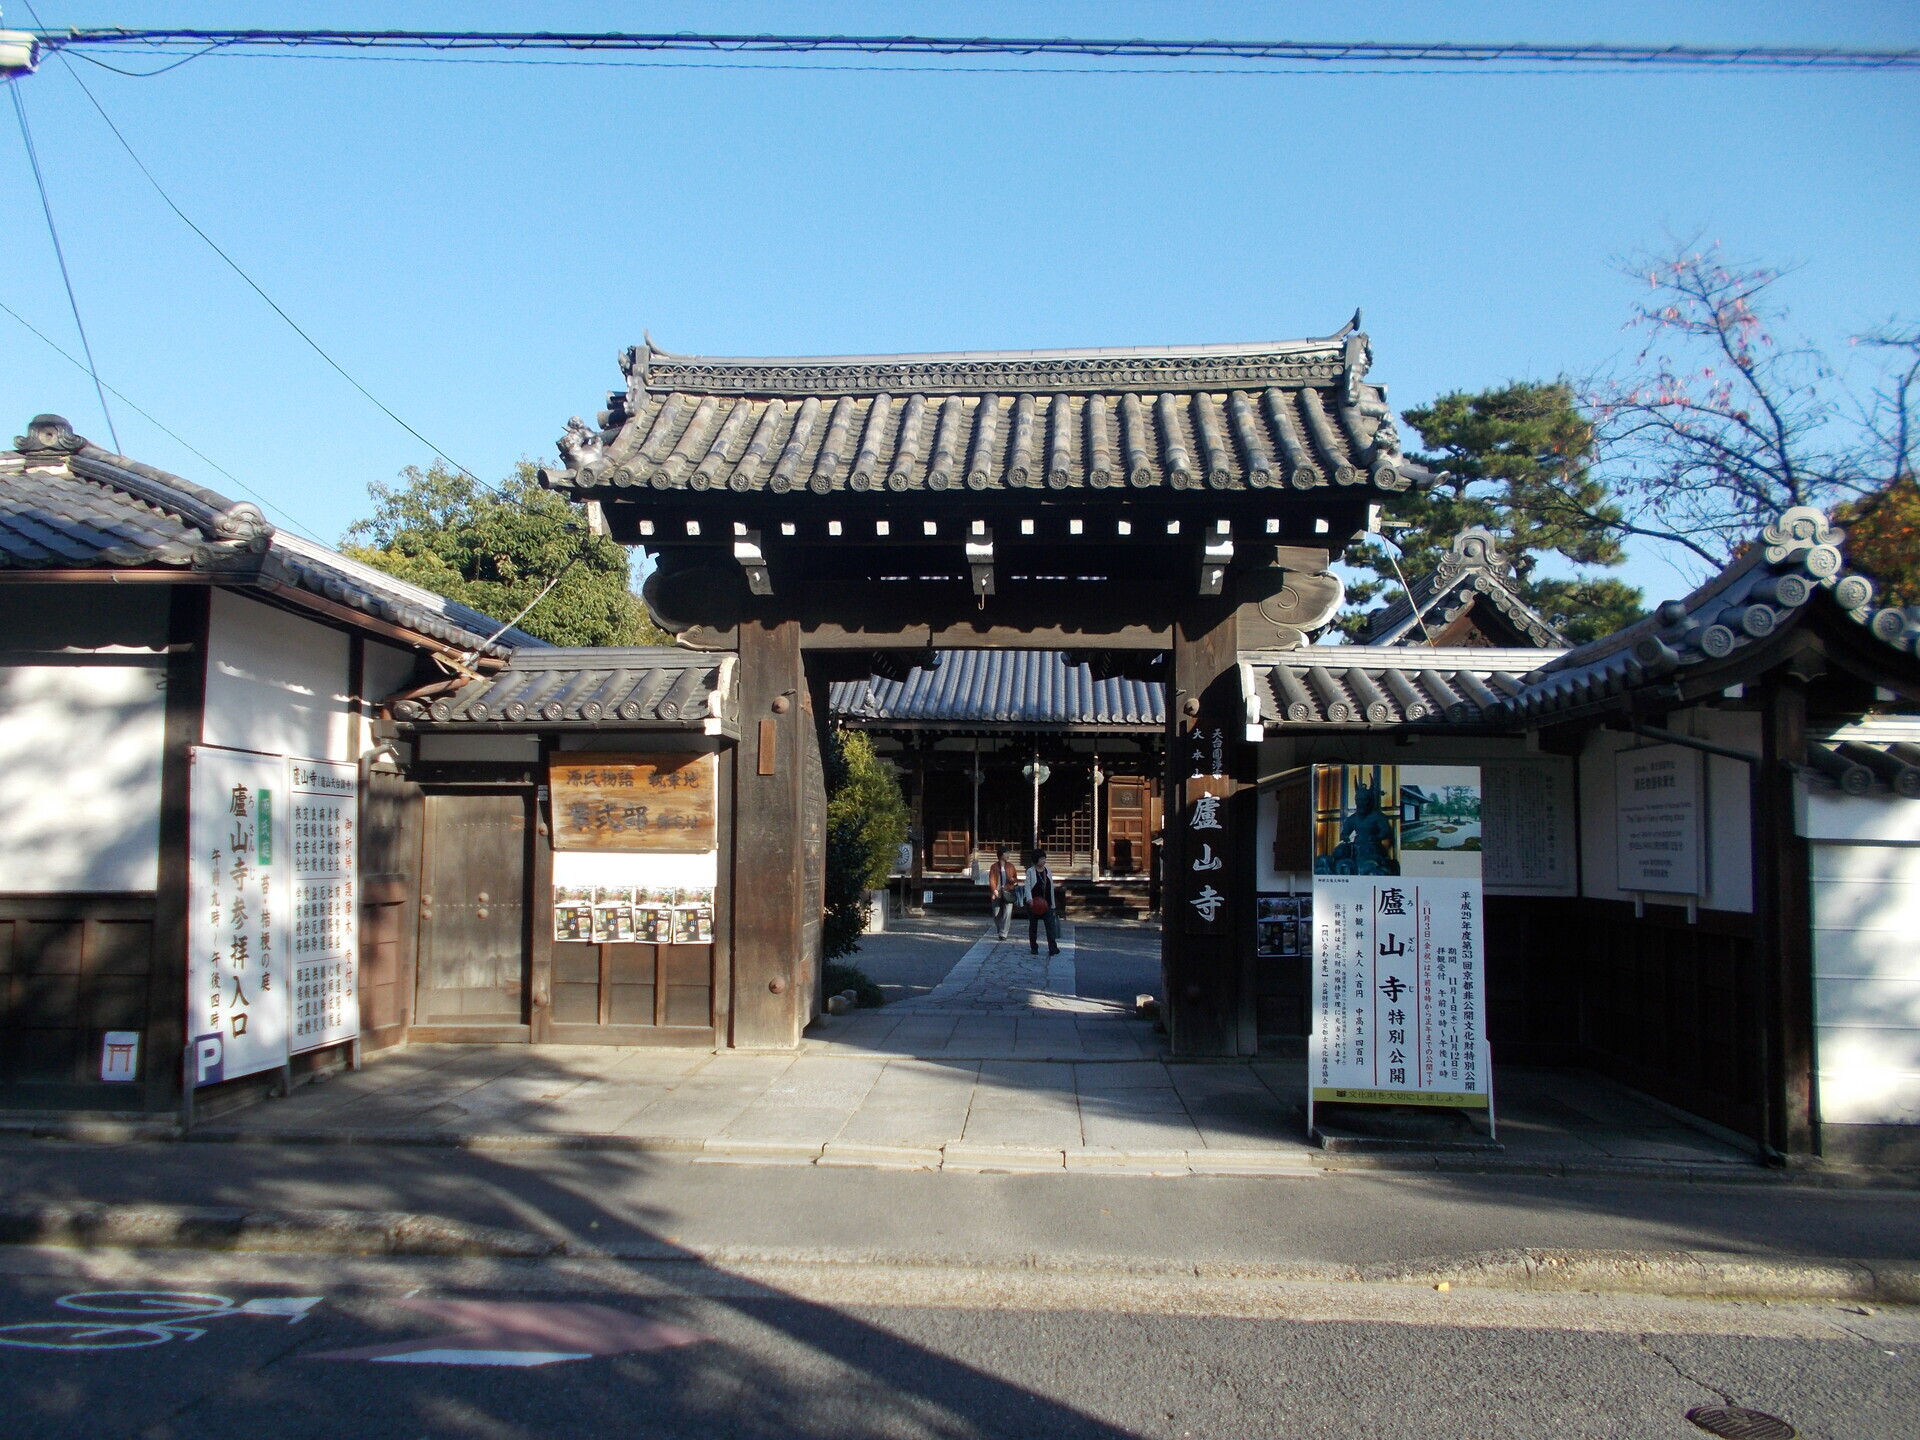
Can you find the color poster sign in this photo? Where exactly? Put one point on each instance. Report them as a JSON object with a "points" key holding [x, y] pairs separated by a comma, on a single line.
{"points": [[634, 803], [612, 898], [1657, 819], [237, 918], [323, 853], [1398, 970]]}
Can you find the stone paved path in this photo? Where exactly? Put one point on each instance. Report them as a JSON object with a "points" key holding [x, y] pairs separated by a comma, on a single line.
{"points": [[999, 1002], [1004, 977]]}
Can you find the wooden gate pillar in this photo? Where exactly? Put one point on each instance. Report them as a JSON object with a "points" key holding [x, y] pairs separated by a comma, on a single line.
{"points": [[1784, 945], [772, 973], [1207, 895]]}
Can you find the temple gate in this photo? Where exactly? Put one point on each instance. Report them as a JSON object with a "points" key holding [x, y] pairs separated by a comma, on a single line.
{"points": [[1157, 510]]}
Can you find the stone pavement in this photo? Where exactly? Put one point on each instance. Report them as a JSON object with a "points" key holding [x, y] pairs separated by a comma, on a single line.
{"points": [[1002, 1066], [999, 1002]]}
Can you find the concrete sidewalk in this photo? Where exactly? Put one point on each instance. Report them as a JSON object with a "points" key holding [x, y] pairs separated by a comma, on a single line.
{"points": [[1003, 1065]]}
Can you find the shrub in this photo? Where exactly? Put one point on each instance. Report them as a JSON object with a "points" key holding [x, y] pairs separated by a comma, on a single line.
{"points": [[866, 824]]}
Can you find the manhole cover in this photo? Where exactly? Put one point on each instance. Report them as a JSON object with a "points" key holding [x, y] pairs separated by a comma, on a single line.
{"points": [[1733, 1422]]}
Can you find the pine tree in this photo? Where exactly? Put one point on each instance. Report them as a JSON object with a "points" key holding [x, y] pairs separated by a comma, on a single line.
{"points": [[1516, 460]]}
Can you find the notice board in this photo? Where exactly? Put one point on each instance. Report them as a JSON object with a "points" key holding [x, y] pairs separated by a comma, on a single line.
{"points": [[1659, 808]]}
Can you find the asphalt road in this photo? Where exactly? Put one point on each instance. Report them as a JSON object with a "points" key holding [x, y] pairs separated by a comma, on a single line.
{"points": [[753, 1357]]}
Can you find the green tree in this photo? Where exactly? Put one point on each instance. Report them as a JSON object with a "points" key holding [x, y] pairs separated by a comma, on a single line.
{"points": [[1883, 539], [496, 551], [1518, 460], [866, 825]]}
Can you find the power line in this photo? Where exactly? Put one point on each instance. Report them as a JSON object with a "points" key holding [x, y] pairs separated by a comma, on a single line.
{"points": [[646, 63], [1323, 52], [148, 417], [60, 254], [273, 304]]}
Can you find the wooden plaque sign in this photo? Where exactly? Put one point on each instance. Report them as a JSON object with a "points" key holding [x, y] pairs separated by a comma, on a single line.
{"points": [[654, 803]]}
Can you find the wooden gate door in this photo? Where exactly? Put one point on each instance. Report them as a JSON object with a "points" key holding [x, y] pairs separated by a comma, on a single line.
{"points": [[1128, 831], [473, 918]]}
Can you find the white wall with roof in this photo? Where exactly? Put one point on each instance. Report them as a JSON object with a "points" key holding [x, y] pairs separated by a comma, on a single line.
{"points": [[1864, 857], [80, 774], [276, 683]]}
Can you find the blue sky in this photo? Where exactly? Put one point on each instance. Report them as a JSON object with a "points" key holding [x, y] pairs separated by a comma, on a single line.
{"points": [[476, 242]]}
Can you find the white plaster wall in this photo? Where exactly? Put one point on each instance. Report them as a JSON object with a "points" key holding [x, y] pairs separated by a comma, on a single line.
{"points": [[80, 749], [1729, 827], [275, 683], [1866, 969], [387, 671]]}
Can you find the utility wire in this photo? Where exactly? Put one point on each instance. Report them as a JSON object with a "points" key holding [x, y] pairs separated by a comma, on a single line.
{"points": [[1323, 52], [252, 284], [60, 254], [273, 304], [794, 68], [148, 417]]}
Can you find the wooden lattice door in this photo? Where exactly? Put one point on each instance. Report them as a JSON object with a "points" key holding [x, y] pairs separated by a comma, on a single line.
{"points": [[1129, 829]]}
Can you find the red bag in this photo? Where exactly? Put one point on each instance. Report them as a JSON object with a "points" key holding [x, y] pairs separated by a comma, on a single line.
{"points": [[1038, 905]]}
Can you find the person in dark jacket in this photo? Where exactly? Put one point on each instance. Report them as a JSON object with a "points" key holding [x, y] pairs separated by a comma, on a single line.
{"points": [[1040, 886]]}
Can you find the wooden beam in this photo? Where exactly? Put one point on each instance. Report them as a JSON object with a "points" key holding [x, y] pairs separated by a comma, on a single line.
{"points": [[1785, 946], [540, 910], [105, 577], [188, 611], [1208, 854], [767, 884], [285, 594]]}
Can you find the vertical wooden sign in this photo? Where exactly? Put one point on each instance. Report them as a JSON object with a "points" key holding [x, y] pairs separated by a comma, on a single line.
{"points": [[1204, 853]]}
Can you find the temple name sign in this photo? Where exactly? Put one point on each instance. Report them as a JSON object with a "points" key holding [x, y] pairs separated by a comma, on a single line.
{"points": [[646, 803]]}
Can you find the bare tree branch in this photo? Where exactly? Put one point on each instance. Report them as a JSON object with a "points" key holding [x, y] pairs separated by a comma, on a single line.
{"points": [[1706, 448]]}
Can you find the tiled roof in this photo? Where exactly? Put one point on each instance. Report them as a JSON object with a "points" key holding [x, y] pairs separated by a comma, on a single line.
{"points": [[604, 687], [1002, 687], [1190, 418], [1795, 564], [1358, 686], [67, 504], [1473, 569], [1859, 767]]}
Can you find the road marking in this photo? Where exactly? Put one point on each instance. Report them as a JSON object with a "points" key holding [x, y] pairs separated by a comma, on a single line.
{"points": [[521, 1333], [149, 1317], [479, 1357]]}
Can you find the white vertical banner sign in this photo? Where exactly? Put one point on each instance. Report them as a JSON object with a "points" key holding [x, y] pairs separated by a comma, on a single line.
{"points": [[237, 914], [1398, 968], [323, 854]]}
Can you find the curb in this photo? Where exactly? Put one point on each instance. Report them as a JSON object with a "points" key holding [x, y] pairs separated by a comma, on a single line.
{"points": [[85, 1225], [960, 1155], [1694, 1274], [92, 1132], [833, 1154], [1684, 1274]]}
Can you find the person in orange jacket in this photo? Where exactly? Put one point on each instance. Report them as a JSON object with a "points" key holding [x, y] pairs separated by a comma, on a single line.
{"points": [[1003, 890]]}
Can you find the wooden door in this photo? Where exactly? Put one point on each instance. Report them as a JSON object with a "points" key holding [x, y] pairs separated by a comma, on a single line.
{"points": [[952, 850], [389, 885], [1129, 833], [473, 921]]}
